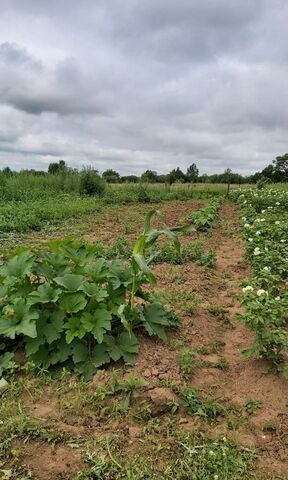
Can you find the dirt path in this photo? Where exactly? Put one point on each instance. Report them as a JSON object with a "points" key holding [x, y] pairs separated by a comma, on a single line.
{"points": [[215, 323]]}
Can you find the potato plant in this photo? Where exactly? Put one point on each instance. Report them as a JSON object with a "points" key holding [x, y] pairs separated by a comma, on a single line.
{"points": [[69, 306], [265, 227]]}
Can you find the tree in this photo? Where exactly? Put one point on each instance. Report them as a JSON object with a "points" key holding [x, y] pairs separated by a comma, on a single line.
{"points": [[91, 183], [149, 176], [111, 176], [281, 168], [7, 171], [130, 179], [268, 172], [192, 173], [57, 168], [176, 175]]}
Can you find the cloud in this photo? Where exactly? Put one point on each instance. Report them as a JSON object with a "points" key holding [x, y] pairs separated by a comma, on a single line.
{"points": [[133, 85]]}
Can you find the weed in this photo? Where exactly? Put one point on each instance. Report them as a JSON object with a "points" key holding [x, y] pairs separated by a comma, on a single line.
{"points": [[252, 406], [187, 361]]}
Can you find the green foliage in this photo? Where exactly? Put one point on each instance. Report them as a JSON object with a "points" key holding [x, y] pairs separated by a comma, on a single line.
{"points": [[265, 297], [71, 307], [204, 218], [187, 361], [208, 407], [91, 183]]}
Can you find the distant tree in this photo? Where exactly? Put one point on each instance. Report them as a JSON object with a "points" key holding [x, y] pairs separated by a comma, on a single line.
{"points": [[176, 175], [57, 167], [111, 176], [149, 176], [7, 171], [268, 172], [192, 173], [130, 179], [281, 168]]}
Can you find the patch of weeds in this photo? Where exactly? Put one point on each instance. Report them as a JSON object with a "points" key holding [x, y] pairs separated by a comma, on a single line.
{"points": [[168, 382], [207, 260], [220, 312], [103, 401], [184, 300], [175, 343], [222, 364], [176, 276], [208, 407], [269, 426], [185, 457], [252, 406], [187, 361], [234, 421], [143, 413], [129, 228], [213, 347]]}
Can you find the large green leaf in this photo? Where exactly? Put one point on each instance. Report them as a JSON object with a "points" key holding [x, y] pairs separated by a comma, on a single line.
{"points": [[140, 261], [18, 319], [45, 293], [124, 346], [74, 329], [97, 323], [80, 352], [5, 359], [73, 302], [98, 357], [155, 318], [93, 290], [53, 327], [71, 282], [19, 266]]}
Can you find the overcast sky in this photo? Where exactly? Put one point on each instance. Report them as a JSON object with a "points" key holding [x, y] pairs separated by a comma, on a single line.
{"points": [[138, 84]]}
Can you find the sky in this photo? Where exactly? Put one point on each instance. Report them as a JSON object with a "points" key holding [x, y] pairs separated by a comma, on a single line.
{"points": [[151, 84]]}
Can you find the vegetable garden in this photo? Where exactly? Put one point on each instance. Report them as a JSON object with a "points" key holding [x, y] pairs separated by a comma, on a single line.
{"points": [[150, 344]]}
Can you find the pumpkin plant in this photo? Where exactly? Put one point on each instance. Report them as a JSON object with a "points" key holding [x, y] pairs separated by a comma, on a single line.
{"points": [[69, 306]]}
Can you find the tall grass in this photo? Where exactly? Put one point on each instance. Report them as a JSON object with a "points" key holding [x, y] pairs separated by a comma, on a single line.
{"points": [[30, 201]]}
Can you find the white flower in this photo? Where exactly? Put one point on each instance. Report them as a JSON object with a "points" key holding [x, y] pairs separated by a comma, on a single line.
{"points": [[269, 208], [277, 298], [216, 477], [267, 269], [244, 218], [246, 225], [261, 292], [258, 232], [257, 251], [262, 220], [247, 289], [277, 203], [277, 222], [250, 239], [282, 241], [263, 211]]}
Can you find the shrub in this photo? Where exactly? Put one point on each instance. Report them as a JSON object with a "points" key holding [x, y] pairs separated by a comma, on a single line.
{"points": [[91, 183]]}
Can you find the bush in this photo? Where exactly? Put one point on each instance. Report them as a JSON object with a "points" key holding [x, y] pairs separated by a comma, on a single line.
{"points": [[91, 183]]}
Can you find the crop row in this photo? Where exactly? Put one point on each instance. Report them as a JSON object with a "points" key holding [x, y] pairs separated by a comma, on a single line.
{"points": [[265, 228], [204, 218]]}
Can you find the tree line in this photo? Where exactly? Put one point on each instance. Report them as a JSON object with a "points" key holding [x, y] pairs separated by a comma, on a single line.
{"points": [[277, 171]]}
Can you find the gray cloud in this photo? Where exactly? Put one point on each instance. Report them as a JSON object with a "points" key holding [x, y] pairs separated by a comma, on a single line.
{"points": [[135, 85]]}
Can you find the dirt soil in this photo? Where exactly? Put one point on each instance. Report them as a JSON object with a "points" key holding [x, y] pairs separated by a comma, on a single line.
{"points": [[157, 363]]}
